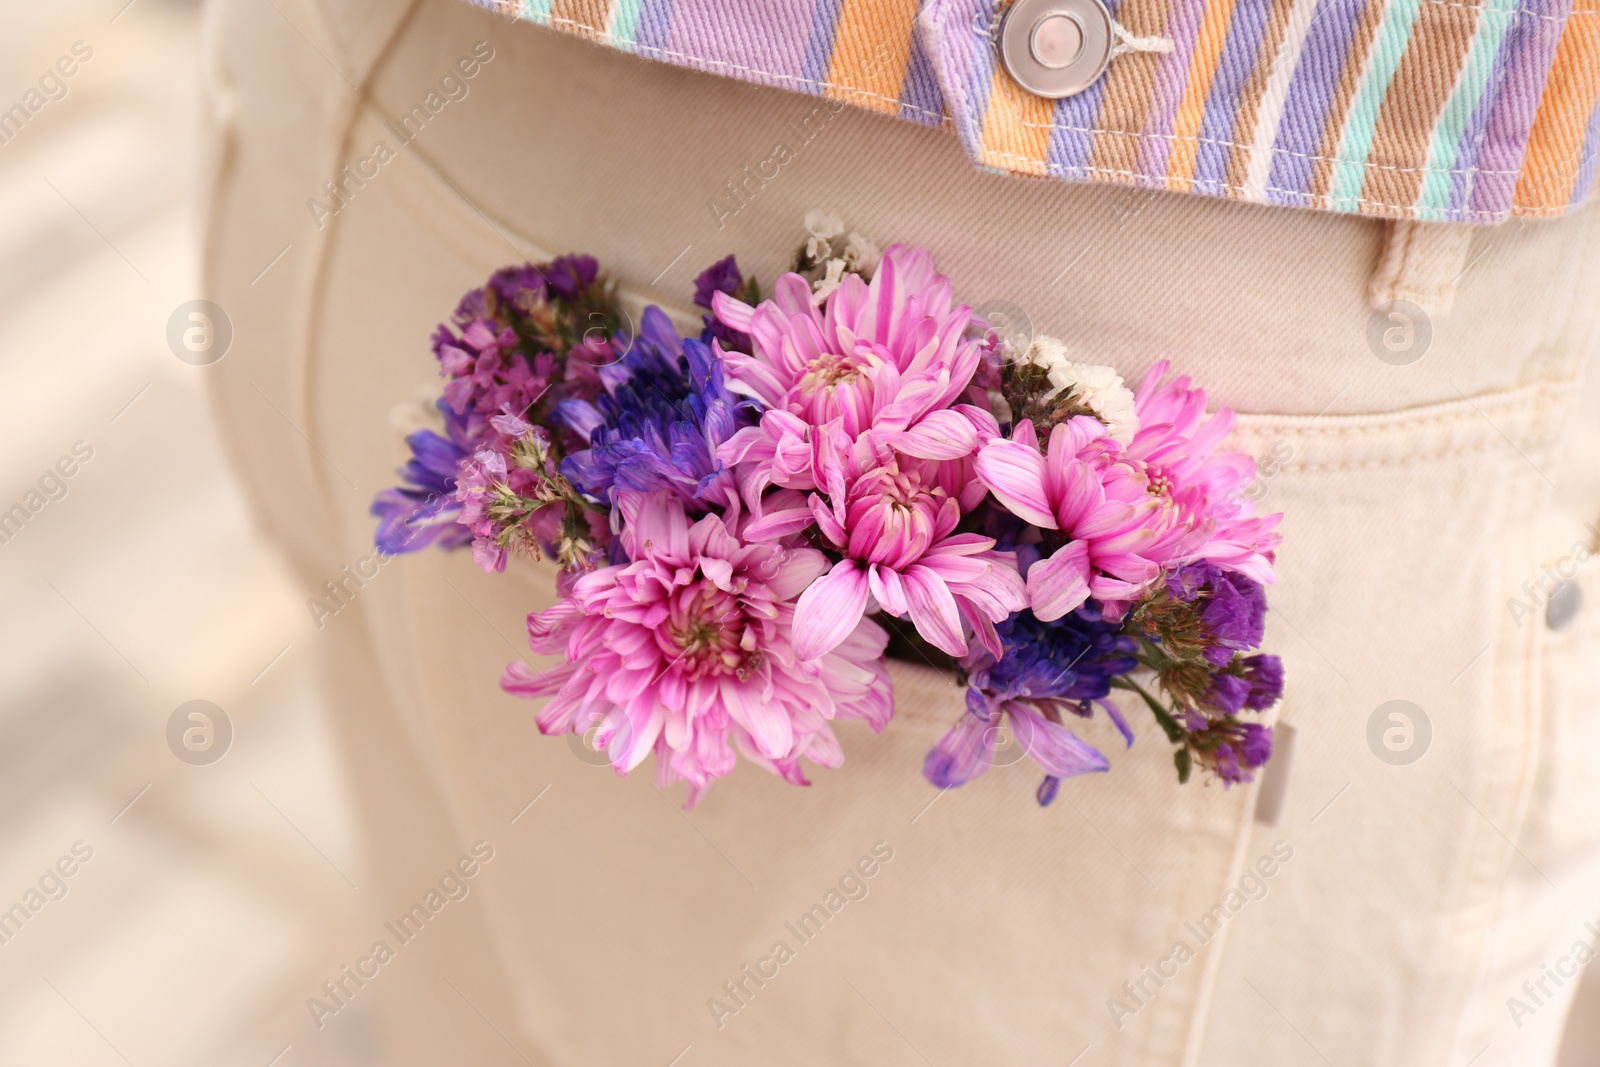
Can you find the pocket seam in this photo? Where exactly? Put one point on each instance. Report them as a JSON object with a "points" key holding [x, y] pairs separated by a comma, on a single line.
{"points": [[1518, 420]]}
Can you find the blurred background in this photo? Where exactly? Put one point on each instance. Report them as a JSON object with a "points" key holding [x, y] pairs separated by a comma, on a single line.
{"points": [[202, 921], [212, 892]]}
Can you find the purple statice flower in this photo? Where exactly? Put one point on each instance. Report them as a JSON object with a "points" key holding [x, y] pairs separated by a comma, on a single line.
{"points": [[473, 305], [476, 490], [516, 499], [1256, 682], [1265, 675], [487, 372], [587, 357], [1227, 693], [665, 411], [1231, 749], [723, 276], [424, 510], [567, 276], [524, 288], [1045, 670], [1235, 608]]}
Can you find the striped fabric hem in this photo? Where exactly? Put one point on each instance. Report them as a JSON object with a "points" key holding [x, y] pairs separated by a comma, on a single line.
{"points": [[1442, 110]]}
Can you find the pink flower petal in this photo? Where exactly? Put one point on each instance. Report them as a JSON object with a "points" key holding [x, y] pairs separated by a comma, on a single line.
{"points": [[933, 609], [521, 680], [963, 753], [730, 312], [1061, 583], [1014, 473], [1056, 749], [887, 590], [982, 421], [549, 630], [829, 610], [775, 525], [797, 569], [769, 724], [633, 737], [937, 435]]}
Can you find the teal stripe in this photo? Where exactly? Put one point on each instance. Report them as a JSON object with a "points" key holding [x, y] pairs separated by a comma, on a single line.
{"points": [[1493, 22], [536, 11], [625, 22], [1350, 169]]}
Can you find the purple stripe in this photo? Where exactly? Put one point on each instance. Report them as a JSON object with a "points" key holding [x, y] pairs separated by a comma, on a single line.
{"points": [[1238, 61], [1072, 140], [1464, 177], [1529, 48], [758, 40], [920, 98], [1305, 111], [978, 55], [1172, 75], [655, 23], [1587, 161], [819, 45], [953, 50]]}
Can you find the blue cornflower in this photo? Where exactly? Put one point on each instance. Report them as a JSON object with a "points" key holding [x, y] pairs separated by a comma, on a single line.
{"points": [[423, 511], [665, 410], [1045, 669], [1071, 660]]}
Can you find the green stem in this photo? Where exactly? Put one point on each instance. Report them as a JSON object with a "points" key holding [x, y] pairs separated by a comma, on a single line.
{"points": [[1163, 716]]}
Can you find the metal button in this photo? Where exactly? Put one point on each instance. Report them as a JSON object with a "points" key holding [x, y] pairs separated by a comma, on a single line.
{"points": [[1057, 41], [1056, 48], [1563, 606]]}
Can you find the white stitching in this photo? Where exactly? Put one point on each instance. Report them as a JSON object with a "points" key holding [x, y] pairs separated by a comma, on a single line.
{"points": [[1520, 12], [1174, 138], [1200, 187]]}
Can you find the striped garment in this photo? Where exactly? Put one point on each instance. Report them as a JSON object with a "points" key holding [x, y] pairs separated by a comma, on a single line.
{"points": [[1414, 109]]}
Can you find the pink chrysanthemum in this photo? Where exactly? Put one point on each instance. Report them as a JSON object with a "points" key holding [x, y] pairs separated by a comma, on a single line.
{"points": [[1129, 514], [889, 358], [894, 519], [688, 651], [1118, 532], [861, 397], [1177, 445]]}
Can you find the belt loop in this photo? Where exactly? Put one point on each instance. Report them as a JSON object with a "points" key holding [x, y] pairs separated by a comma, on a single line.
{"points": [[1421, 263]]}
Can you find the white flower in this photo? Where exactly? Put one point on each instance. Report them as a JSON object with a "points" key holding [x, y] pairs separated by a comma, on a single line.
{"points": [[861, 256], [824, 286], [1098, 388], [822, 227]]}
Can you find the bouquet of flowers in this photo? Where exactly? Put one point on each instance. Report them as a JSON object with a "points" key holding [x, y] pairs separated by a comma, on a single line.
{"points": [[749, 519]]}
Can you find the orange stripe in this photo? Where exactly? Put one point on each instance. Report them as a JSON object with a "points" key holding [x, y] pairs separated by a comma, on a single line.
{"points": [[1550, 165], [871, 49], [1016, 128], [1197, 87], [586, 18], [1129, 85]]}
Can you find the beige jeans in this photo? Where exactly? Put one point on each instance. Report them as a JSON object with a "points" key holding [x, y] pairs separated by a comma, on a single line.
{"points": [[1387, 915]]}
